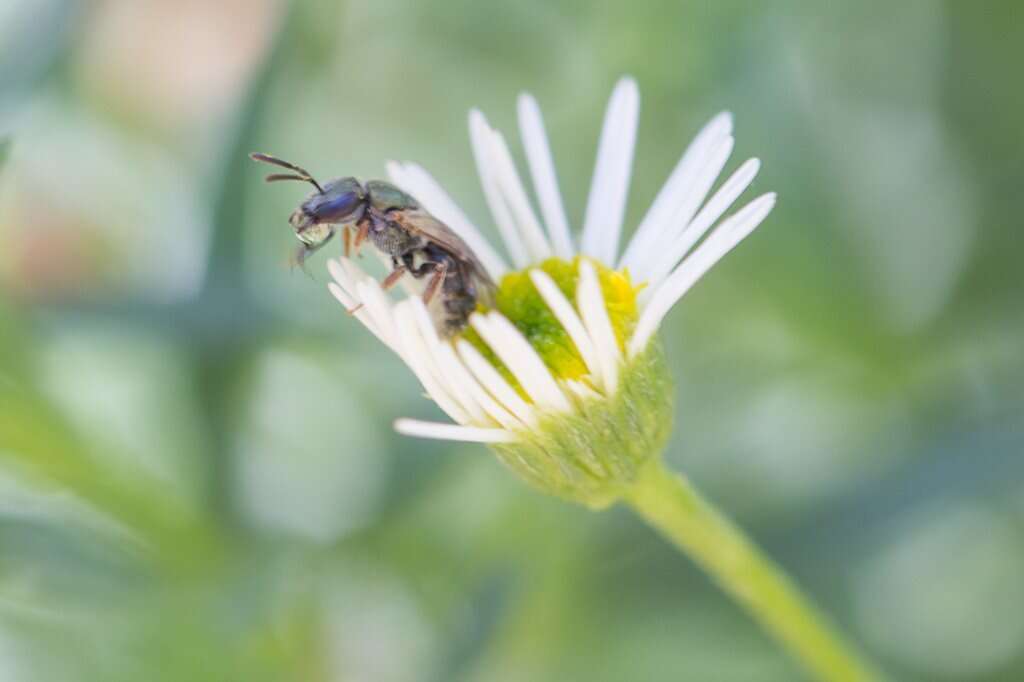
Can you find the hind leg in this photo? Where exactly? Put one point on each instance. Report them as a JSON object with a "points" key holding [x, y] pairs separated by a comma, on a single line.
{"points": [[436, 280]]}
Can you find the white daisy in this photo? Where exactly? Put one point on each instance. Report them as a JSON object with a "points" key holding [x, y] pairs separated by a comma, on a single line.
{"points": [[554, 403]]}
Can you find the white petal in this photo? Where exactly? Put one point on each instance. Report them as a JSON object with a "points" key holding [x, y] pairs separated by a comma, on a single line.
{"points": [[437, 431], [378, 305], [721, 241], [343, 277], [343, 298], [582, 390], [512, 189], [566, 315], [606, 204], [712, 211], [458, 373], [352, 270], [542, 170], [665, 204], [445, 374], [360, 314], [522, 360], [344, 290], [344, 284], [415, 354], [495, 384], [480, 137], [590, 302], [690, 201], [420, 184]]}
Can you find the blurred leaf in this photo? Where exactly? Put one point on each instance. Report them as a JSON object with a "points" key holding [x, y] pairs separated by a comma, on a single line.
{"points": [[35, 441], [5, 151], [40, 42], [490, 607], [509, 585], [233, 176], [225, 293]]}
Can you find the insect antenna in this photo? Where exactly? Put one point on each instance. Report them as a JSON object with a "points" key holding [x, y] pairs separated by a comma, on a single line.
{"points": [[274, 177], [302, 173]]}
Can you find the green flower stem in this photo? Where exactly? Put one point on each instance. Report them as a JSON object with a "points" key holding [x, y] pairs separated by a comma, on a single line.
{"points": [[672, 505]]}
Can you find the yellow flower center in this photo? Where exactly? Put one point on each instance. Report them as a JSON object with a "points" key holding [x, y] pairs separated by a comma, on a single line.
{"points": [[518, 300]]}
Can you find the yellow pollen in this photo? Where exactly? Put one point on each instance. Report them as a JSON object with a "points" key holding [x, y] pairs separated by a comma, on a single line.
{"points": [[518, 300]]}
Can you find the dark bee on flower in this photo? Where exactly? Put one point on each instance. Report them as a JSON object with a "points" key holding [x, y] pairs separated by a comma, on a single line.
{"points": [[416, 242]]}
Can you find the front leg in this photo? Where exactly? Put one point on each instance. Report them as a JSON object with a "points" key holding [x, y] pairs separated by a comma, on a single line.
{"points": [[361, 234]]}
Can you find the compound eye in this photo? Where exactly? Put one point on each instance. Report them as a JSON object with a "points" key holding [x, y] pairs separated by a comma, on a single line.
{"points": [[335, 207]]}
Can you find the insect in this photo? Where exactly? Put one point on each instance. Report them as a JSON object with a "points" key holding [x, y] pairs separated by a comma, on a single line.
{"points": [[416, 242]]}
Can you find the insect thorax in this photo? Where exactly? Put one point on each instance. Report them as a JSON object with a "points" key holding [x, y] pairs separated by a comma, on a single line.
{"points": [[384, 196], [394, 240]]}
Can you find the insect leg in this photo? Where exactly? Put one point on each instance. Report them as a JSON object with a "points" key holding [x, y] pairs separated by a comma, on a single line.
{"points": [[347, 238], [361, 234], [440, 270], [392, 279], [410, 264]]}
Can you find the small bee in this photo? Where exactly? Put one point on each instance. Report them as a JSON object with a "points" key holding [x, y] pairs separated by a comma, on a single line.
{"points": [[416, 242]]}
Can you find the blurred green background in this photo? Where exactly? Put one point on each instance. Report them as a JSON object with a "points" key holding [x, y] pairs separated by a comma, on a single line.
{"points": [[198, 478]]}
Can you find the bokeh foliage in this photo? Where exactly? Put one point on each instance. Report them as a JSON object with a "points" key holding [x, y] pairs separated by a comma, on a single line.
{"points": [[198, 475]]}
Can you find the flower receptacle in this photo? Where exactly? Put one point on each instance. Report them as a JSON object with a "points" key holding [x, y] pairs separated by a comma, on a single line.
{"points": [[593, 454]]}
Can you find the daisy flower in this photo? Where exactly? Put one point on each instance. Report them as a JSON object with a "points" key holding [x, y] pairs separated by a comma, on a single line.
{"points": [[563, 376]]}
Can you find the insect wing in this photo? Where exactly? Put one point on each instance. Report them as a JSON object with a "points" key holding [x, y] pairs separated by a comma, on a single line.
{"points": [[419, 222]]}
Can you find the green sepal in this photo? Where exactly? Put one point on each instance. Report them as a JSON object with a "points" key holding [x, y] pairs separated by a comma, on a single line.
{"points": [[592, 455]]}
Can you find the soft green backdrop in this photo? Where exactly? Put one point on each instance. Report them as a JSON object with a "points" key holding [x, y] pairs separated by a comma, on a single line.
{"points": [[198, 480]]}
